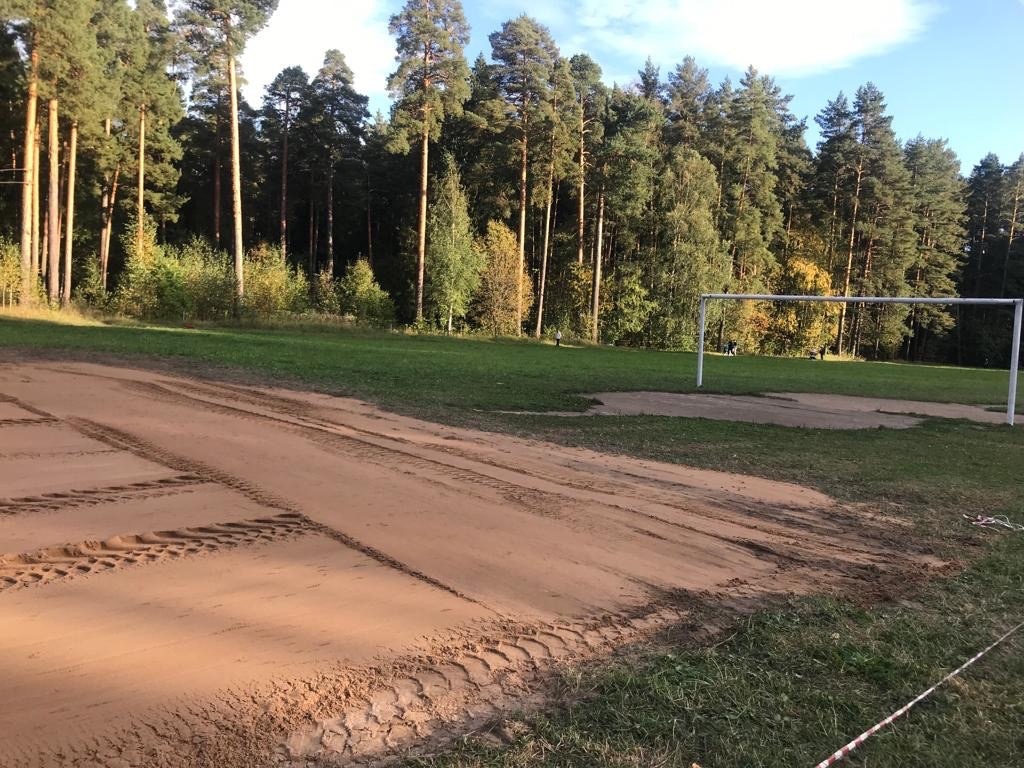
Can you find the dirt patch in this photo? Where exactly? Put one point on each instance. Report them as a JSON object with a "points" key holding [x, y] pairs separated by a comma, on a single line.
{"points": [[197, 573], [787, 409]]}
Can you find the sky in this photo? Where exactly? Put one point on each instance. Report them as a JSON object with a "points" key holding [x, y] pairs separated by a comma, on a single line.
{"points": [[948, 68]]}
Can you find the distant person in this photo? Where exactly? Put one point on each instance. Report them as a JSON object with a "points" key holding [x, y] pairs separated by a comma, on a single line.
{"points": [[558, 338], [821, 352], [731, 349]]}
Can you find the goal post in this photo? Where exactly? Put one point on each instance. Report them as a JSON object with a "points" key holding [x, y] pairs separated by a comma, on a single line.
{"points": [[1017, 304]]}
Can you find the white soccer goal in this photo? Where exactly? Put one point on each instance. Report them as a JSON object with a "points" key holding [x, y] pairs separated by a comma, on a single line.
{"points": [[1017, 304]]}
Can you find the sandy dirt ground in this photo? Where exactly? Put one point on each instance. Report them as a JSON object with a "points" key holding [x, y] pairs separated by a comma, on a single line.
{"points": [[790, 409], [201, 573]]}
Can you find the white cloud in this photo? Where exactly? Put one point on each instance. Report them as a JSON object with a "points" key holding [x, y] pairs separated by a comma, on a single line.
{"points": [[786, 37], [301, 31]]}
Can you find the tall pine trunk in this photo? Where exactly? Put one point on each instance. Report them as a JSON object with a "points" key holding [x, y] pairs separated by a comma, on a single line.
{"points": [[581, 211], [236, 181], [109, 228], [547, 237], [53, 208], [523, 158], [596, 303], [1011, 233], [104, 207], [140, 203], [330, 218], [37, 219], [369, 218], [65, 298], [284, 186], [421, 245], [849, 258], [28, 185], [218, 194]]}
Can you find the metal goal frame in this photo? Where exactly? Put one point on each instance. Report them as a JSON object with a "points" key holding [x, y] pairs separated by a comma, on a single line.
{"points": [[1017, 304]]}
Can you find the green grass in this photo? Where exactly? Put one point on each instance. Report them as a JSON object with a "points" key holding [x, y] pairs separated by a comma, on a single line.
{"points": [[793, 682], [792, 685], [437, 375]]}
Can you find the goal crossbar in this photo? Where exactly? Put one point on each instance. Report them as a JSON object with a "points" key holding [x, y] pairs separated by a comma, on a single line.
{"points": [[1017, 304]]}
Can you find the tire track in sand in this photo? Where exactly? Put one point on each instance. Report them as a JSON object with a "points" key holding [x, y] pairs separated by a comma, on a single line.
{"points": [[142, 449], [111, 494], [51, 564], [541, 502]]}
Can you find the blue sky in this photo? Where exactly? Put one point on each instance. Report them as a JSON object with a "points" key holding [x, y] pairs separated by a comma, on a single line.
{"points": [[949, 68]]}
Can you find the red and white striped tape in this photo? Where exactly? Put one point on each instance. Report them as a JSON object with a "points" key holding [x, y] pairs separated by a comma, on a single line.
{"points": [[839, 754]]}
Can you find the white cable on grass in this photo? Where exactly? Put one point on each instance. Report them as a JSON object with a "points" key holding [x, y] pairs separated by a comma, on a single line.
{"points": [[839, 754], [997, 521]]}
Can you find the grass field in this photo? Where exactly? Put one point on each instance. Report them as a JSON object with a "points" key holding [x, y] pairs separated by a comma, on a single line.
{"points": [[789, 684], [425, 373]]}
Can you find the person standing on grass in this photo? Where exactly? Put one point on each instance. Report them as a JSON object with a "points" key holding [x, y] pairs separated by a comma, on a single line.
{"points": [[558, 338], [821, 352]]}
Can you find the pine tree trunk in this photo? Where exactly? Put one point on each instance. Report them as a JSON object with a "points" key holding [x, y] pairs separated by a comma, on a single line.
{"points": [[217, 195], [65, 299], [36, 257], [236, 181], [849, 259], [53, 203], [523, 158], [312, 229], [104, 204], [26, 294], [1010, 234], [109, 214], [547, 236], [330, 218], [981, 253], [44, 249], [140, 203], [284, 186], [421, 246], [581, 212], [369, 219], [596, 303]]}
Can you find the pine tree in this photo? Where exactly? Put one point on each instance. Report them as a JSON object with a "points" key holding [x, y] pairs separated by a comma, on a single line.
{"points": [[753, 214], [559, 126], [1013, 210], [336, 113], [939, 207], [688, 93], [156, 102], [429, 84], [525, 55], [589, 106], [284, 98], [625, 166], [984, 211], [216, 32], [61, 48], [691, 259]]}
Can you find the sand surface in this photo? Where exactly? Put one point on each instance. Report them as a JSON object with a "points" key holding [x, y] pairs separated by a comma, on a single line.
{"points": [[197, 573], [790, 409]]}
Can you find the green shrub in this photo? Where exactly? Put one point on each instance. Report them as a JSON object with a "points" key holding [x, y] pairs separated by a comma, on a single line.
{"points": [[325, 294], [271, 286], [10, 272], [360, 296], [196, 282], [89, 290]]}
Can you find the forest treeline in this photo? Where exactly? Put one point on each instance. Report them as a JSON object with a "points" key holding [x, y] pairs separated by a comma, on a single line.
{"points": [[517, 194]]}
